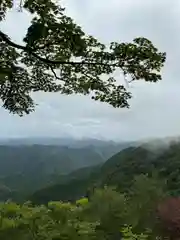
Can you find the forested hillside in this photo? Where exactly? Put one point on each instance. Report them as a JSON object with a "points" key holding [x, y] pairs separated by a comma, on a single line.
{"points": [[119, 171], [28, 167], [140, 204]]}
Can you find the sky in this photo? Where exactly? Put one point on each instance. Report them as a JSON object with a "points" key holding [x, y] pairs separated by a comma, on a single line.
{"points": [[155, 108]]}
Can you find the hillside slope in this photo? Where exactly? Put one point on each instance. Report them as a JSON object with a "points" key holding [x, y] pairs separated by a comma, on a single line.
{"points": [[119, 170], [27, 168]]}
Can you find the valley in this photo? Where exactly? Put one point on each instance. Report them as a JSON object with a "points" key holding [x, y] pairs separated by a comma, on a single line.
{"points": [[26, 167]]}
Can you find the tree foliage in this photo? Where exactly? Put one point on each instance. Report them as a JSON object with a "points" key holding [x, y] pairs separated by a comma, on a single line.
{"points": [[107, 215], [127, 234], [109, 208], [145, 195], [57, 56], [57, 221]]}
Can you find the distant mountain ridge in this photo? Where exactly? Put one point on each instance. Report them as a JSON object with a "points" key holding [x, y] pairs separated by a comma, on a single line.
{"points": [[27, 165], [62, 141]]}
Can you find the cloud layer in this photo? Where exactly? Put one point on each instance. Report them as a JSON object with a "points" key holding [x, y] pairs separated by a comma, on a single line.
{"points": [[154, 108]]}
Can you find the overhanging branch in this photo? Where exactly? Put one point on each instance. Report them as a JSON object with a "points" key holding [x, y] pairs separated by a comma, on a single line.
{"points": [[29, 50]]}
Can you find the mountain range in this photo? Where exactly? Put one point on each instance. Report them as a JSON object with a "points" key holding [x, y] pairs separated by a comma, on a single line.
{"points": [[29, 164], [119, 170], [42, 170]]}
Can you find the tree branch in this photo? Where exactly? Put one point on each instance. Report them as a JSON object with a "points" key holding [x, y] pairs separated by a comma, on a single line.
{"points": [[29, 50]]}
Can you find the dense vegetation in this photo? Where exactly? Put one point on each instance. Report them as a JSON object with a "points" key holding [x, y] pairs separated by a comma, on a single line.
{"points": [[133, 195], [108, 214], [104, 216]]}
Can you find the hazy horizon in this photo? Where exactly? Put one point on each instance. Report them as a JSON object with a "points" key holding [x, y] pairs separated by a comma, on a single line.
{"points": [[150, 140]]}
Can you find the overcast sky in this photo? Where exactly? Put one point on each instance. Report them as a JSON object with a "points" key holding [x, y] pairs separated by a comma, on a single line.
{"points": [[155, 108]]}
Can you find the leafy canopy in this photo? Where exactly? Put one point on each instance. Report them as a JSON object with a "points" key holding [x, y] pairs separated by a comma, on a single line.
{"points": [[107, 215], [57, 56]]}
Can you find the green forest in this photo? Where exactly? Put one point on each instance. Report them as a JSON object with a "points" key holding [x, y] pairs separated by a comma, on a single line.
{"points": [[132, 195]]}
